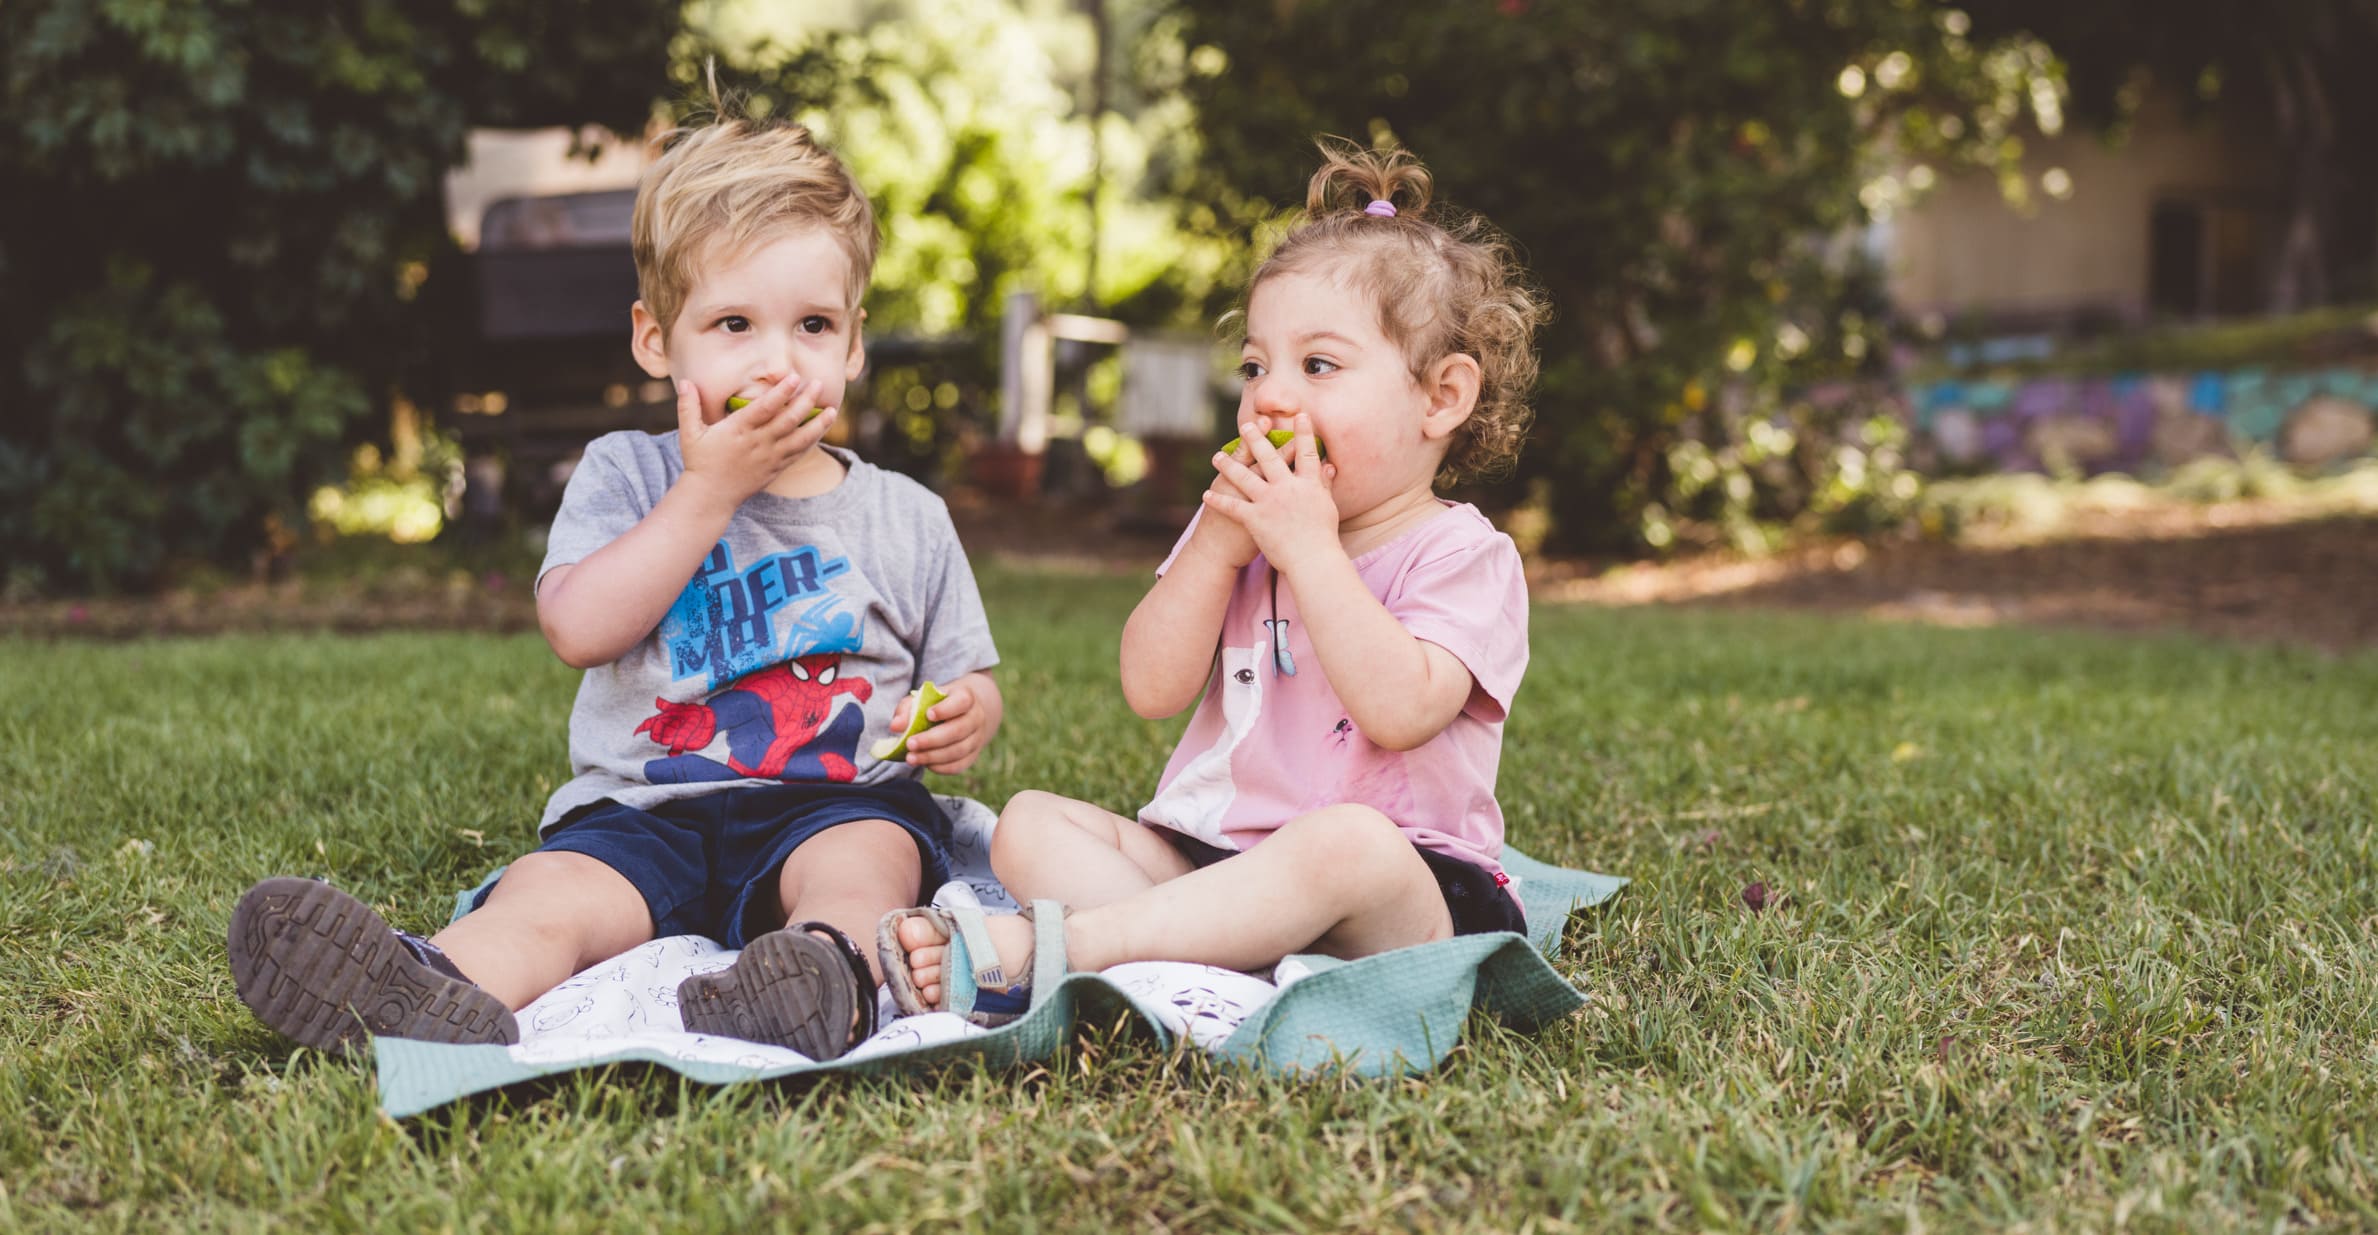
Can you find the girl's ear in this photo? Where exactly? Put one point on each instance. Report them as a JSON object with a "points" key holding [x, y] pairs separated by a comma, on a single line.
{"points": [[645, 341], [1452, 390]]}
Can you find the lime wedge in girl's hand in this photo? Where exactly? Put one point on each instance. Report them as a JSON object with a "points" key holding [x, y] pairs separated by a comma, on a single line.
{"points": [[736, 403], [926, 696], [1279, 439]]}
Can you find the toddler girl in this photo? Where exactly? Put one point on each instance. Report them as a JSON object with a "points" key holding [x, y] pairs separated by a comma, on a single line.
{"points": [[1351, 640]]}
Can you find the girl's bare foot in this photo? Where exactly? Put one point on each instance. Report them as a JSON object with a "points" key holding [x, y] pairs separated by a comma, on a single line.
{"points": [[927, 951]]}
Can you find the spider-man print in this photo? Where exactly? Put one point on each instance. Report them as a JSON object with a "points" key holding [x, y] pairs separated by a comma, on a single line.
{"points": [[781, 723]]}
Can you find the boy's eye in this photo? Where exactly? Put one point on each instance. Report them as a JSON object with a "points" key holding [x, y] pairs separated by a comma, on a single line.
{"points": [[734, 324], [814, 324], [1249, 370], [1315, 366]]}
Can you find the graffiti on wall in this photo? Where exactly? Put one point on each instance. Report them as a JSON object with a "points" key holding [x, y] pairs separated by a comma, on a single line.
{"points": [[2125, 423]]}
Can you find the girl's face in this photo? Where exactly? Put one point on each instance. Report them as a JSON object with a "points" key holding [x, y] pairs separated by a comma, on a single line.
{"points": [[1314, 346], [752, 318]]}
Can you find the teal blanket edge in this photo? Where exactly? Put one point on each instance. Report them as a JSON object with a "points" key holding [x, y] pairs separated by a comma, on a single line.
{"points": [[1393, 1014]]}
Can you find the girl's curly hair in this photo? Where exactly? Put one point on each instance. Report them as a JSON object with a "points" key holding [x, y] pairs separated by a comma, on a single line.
{"points": [[1445, 282]]}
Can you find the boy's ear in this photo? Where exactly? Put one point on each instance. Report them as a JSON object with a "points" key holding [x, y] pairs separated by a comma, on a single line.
{"points": [[647, 341], [858, 347], [1452, 390]]}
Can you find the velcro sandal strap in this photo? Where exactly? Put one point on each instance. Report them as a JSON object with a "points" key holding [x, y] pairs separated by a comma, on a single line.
{"points": [[1048, 947], [979, 949], [862, 977]]}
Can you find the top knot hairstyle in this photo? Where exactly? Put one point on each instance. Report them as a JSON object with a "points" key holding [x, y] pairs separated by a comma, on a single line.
{"points": [[720, 188], [1446, 283]]}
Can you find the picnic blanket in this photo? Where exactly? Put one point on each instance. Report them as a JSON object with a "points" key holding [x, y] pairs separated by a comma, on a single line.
{"points": [[1395, 1013]]}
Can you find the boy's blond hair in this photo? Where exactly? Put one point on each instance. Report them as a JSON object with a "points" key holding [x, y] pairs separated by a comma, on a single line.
{"points": [[720, 189]]}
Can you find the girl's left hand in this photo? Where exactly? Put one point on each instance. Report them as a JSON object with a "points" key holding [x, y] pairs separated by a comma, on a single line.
{"points": [[1283, 500], [958, 734]]}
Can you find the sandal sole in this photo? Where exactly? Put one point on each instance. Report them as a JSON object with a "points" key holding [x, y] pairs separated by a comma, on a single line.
{"points": [[319, 967], [785, 989]]}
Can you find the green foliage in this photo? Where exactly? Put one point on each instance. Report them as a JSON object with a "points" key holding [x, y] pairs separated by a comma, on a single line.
{"points": [[1684, 177], [2024, 505], [222, 218], [1840, 468]]}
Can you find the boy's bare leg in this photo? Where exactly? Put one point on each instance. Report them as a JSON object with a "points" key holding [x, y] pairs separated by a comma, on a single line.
{"points": [[849, 877], [781, 990], [1341, 881], [1048, 847], [552, 914]]}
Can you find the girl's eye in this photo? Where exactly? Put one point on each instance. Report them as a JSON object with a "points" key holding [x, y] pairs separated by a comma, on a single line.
{"points": [[734, 325], [1315, 366], [1249, 371], [814, 324]]}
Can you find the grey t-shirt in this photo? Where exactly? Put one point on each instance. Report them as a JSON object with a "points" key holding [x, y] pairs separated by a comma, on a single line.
{"points": [[785, 655]]}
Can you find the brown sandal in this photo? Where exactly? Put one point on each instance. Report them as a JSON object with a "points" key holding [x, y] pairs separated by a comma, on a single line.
{"points": [[803, 987]]}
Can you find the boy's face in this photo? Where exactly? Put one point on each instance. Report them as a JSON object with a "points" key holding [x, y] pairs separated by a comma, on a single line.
{"points": [[752, 318]]}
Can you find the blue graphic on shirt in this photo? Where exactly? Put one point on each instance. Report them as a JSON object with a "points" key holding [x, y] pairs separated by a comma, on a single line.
{"points": [[724, 622]]}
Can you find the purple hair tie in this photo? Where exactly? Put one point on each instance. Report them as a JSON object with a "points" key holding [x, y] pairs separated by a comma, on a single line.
{"points": [[1381, 209]]}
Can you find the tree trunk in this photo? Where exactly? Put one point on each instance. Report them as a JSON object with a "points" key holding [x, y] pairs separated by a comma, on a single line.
{"points": [[2307, 133]]}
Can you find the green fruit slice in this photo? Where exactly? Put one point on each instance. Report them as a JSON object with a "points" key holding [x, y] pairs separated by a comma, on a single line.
{"points": [[892, 748], [736, 403], [1279, 439]]}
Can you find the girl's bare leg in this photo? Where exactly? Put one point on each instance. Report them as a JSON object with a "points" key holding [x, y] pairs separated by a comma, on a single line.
{"points": [[1341, 881], [1055, 848]]}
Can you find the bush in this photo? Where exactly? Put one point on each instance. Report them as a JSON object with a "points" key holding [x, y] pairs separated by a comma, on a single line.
{"points": [[225, 246]]}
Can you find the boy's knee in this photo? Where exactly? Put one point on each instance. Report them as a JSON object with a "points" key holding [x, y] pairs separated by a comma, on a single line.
{"points": [[556, 870]]}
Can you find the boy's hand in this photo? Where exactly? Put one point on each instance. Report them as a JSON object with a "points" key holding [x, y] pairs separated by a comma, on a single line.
{"points": [[960, 730], [746, 449], [1285, 509]]}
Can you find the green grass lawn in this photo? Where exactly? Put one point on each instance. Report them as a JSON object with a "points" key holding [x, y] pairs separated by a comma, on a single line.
{"points": [[2068, 931]]}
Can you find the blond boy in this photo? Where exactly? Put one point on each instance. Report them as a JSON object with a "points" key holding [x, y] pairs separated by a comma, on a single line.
{"points": [[751, 607]]}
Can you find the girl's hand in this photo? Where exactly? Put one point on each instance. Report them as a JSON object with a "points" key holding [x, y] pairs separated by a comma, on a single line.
{"points": [[1285, 507], [746, 449], [959, 733], [1224, 539]]}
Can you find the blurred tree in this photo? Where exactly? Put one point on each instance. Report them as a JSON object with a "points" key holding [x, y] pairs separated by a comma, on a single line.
{"points": [[982, 134], [1687, 178], [2299, 73], [221, 215]]}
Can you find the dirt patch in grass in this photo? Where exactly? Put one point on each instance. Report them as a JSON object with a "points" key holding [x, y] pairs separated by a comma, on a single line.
{"points": [[2241, 570], [2264, 571]]}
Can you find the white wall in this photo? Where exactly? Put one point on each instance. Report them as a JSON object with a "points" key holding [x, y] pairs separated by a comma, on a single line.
{"points": [[531, 162]]}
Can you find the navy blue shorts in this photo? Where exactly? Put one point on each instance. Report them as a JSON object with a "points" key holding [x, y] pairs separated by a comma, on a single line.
{"points": [[1478, 905], [708, 864]]}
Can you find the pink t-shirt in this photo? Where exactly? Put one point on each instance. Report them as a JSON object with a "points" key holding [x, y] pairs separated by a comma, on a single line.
{"points": [[1266, 746]]}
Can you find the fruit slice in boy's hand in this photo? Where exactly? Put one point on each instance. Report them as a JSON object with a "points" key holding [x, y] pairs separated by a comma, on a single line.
{"points": [[1279, 439], [893, 747], [736, 403]]}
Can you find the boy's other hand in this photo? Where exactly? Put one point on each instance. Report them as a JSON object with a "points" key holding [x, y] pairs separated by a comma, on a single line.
{"points": [[960, 731], [746, 449]]}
